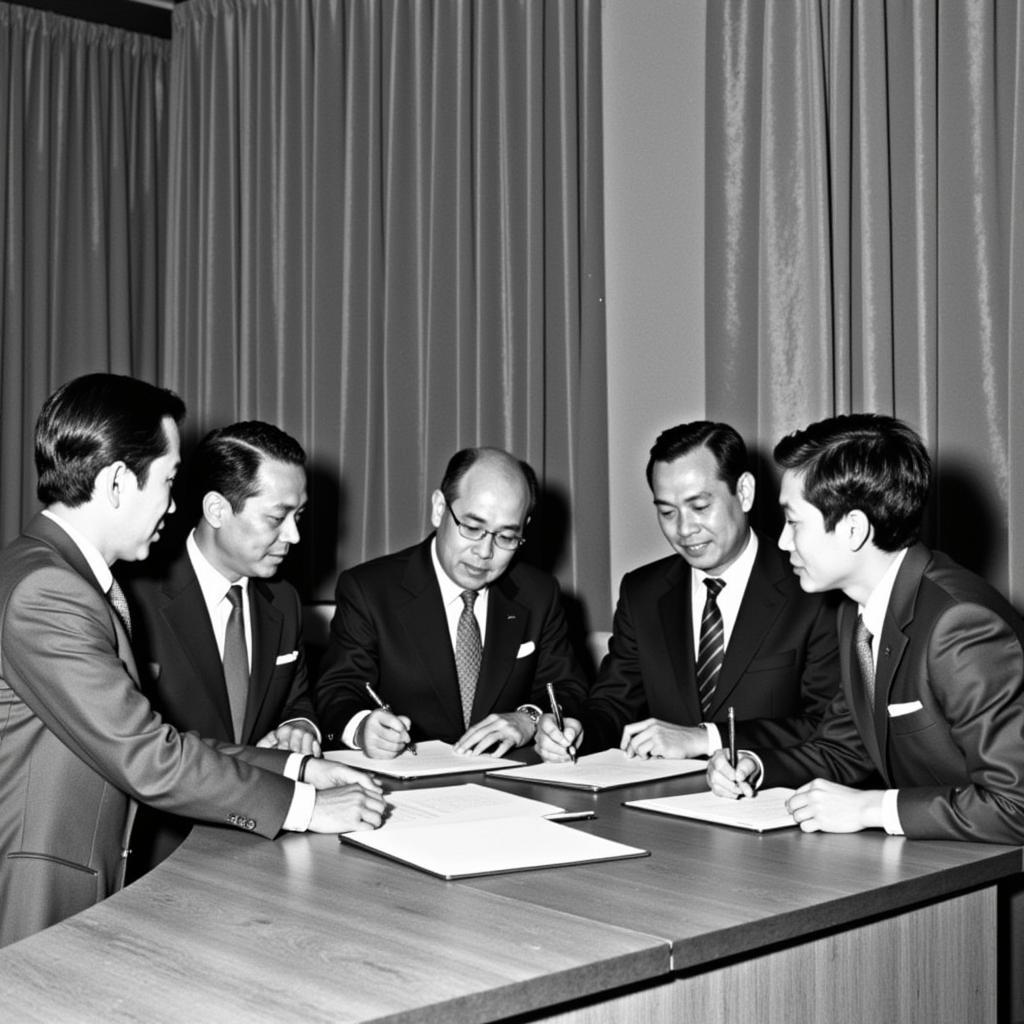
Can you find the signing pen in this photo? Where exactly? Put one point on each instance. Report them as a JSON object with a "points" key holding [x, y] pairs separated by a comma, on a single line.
{"points": [[410, 746], [732, 739], [559, 724]]}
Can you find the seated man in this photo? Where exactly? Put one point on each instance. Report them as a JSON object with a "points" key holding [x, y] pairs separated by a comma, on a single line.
{"points": [[719, 624], [453, 634], [229, 667], [932, 657]]}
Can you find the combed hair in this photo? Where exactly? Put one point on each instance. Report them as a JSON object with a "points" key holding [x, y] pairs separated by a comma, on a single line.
{"points": [[94, 421], [863, 461], [723, 441]]}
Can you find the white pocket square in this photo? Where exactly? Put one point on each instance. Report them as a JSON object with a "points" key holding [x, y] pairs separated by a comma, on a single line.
{"points": [[524, 649], [898, 710], [286, 659]]}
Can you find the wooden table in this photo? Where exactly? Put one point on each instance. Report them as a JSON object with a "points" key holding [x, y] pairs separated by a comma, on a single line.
{"points": [[715, 925]]}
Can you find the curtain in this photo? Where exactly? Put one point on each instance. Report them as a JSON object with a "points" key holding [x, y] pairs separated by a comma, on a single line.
{"points": [[82, 178], [386, 237], [865, 251]]}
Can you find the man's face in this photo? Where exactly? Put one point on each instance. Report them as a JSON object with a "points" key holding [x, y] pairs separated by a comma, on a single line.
{"points": [[819, 557], [701, 518], [142, 509], [493, 496], [254, 540]]}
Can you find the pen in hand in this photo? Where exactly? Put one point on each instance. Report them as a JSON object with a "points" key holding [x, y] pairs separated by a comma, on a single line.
{"points": [[410, 746], [559, 723], [733, 760]]}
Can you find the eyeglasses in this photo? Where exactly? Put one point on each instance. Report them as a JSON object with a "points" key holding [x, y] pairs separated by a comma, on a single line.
{"points": [[502, 539]]}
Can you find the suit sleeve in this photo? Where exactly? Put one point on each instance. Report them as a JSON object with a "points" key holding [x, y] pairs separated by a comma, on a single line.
{"points": [[975, 671], [351, 660], [819, 681], [556, 662], [60, 658], [617, 696]]}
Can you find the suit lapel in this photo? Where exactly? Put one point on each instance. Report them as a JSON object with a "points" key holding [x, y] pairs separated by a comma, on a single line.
{"points": [[184, 611], [426, 627], [675, 609], [506, 626], [267, 623]]}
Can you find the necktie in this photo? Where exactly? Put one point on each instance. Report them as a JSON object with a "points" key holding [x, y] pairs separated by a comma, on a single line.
{"points": [[236, 661], [711, 650], [116, 597], [468, 653], [865, 660]]}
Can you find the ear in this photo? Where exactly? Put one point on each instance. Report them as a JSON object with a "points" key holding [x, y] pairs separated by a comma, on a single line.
{"points": [[856, 528], [110, 481], [437, 509], [745, 487], [216, 508]]}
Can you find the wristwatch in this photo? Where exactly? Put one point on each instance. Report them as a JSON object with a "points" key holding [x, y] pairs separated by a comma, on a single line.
{"points": [[532, 711]]}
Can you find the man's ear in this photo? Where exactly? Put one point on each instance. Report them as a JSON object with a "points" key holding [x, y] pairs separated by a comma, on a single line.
{"points": [[856, 528], [437, 508], [745, 487], [110, 481], [216, 508]]}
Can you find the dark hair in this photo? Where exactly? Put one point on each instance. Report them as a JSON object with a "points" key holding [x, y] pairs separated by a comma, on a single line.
{"points": [[864, 461], [720, 439], [228, 460], [459, 464], [94, 421]]}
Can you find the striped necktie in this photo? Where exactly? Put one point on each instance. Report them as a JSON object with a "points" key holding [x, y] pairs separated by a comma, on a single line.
{"points": [[711, 650]]}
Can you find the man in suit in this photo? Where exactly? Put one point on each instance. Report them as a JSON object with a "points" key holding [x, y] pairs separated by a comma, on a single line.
{"points": [[79, 743], [931, 656], [454, 634], [721, 623], [217, 639]]}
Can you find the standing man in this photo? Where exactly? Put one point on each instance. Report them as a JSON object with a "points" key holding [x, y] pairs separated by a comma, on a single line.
{"points": [[931, 656], [79, 743], [721, 623], [453, 634], [218, 641]]}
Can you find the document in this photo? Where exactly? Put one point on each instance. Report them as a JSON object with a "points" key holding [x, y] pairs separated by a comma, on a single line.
{"points": [[608, 769], [464, 831], [432, 757], [760, 813]]}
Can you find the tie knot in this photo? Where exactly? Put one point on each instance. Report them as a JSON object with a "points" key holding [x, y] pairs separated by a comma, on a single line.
{"points": [[469, 599], [714, 585], [234, 596]]}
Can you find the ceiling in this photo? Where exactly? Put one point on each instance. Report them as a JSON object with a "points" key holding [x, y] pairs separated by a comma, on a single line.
{"points": [[150, 16]]}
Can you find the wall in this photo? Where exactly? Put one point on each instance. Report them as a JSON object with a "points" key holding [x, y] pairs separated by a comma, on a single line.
{"points": [[653, 82]]}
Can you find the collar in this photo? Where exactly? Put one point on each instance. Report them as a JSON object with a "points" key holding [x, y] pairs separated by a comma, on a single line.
{"points": [[450, 590], [212, 582], [873, 612], [735, 577], [98, 564]]}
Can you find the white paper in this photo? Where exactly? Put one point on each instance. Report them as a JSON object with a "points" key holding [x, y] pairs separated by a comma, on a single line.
{"points": [[471, 802], [432, 757], [605, 770], [760, 813]]}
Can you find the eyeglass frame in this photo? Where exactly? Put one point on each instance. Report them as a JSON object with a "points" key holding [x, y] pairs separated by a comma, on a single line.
{"points": [[496, 534]]}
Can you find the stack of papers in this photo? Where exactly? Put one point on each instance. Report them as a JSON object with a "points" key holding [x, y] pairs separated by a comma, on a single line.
{"points": [[432, 757], [609, 769], [760, 813], [463, 831]]}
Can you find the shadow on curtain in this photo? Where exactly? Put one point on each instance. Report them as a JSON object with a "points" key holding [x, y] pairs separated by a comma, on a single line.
{"points": [[84, 137], [386, 237], [865, 207]]}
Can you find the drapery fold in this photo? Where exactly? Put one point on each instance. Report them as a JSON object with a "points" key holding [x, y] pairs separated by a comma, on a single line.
{"points": [[82, 203], [386, 236], [864, 216]]}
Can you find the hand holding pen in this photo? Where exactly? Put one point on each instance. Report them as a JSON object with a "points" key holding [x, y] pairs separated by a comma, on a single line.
{"points": [[395, 737], [556, 712]]}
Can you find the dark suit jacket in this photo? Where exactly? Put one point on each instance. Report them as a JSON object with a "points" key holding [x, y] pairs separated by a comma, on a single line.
{"points": [[780, 668], [183, 676], [79, 744], [952, 654], [389, 629]]}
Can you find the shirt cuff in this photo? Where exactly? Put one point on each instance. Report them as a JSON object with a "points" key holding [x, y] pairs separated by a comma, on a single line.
{"points": [[304, 721], [348, 737], [714, 738], [757, 779], [300, 813], [890, 813], [292, 766]]}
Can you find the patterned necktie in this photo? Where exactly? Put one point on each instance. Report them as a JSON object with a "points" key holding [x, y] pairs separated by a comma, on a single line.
{"points": [[236, 661], [711, 650], [116, 597], [865, 659], [468, 653]]}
